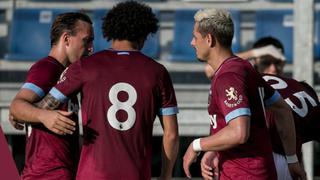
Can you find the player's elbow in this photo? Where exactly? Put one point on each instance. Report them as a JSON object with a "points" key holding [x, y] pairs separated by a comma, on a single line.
{"points": [[242, 136], [239, 130], [171, 136], [243, 139], [13, 108]]}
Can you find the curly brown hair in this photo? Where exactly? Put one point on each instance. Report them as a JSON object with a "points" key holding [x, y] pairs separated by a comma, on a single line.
{"points": [[130, 20]]}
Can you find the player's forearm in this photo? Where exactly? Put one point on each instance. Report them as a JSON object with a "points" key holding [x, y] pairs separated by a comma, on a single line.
{"points": [[48, 102], [220, 141], [286, 130], [169, 153], [24, 111], [245, 54], [285, 126], [235, 133]]}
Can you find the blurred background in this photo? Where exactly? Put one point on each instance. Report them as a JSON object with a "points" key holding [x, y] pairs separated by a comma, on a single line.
{"points": [[25, 38]]}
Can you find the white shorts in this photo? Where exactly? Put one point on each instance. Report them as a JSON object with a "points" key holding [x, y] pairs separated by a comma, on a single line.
{"points": [[280, 162]]}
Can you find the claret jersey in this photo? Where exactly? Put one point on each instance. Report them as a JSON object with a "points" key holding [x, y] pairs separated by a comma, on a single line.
{"points": [[122, 92], [305, 107], [238, 90], [49, 156]]}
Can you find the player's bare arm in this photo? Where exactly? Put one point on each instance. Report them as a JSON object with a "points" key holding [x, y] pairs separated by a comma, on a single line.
{"points": [[22, 108], [23, 96], [286, 129], [56, 121], [235, 133], [170, 145], [48, 102]]}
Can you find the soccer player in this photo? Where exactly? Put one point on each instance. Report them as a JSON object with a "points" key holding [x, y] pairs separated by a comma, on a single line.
{"points": [[266, 56], [299, 96], [122, 92], [51, 156], [306, 109], [239, 135]]}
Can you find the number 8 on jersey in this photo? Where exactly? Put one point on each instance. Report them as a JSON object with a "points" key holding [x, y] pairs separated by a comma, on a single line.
{"points": [[118, 105]]}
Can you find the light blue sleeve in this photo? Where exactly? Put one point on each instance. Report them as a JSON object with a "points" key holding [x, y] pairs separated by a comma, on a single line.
{"points": [[58, 95], [275, 97], [236, 113], [36, 89], [168, 111]]}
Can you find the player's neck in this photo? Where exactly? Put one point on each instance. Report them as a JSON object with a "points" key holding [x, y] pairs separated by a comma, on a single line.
{"points": [[59, 55], [123, 45], [218, 57]]}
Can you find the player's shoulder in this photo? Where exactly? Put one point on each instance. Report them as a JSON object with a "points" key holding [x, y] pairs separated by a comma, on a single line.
{"points": [[152, 62], [235, 65], [46, 62], [46, 65], [272, 79], [109, 56]]}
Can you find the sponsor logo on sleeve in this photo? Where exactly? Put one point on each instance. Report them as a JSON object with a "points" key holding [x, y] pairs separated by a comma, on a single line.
{"points": [[62, 76], [232, 98]]}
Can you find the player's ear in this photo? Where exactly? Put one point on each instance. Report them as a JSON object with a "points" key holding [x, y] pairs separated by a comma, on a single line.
{"points": [[65, 37], [211, 40]]}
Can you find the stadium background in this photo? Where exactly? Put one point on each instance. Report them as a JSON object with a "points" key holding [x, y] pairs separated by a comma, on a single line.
{"points": [[24, 38]]}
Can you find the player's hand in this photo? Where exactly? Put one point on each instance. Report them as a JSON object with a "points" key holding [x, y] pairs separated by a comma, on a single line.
{"points": [[15, 123], [189, 157], [58, 122], [296, 171], [268, 50], [209, 165]]}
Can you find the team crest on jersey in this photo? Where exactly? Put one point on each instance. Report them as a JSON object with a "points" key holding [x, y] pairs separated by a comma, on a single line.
{"points": [[62, 76], [233, 99]]}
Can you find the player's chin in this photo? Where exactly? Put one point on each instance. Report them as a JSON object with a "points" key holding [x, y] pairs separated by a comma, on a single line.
{"points": [[201, 60]]}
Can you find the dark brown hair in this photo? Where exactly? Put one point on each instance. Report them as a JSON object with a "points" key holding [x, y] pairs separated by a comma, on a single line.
{"points": [[66, 22]]}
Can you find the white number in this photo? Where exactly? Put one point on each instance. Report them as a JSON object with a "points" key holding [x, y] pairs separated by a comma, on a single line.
{"points": [[280, 85], [118, 105], [213, 121], [302, 96]]}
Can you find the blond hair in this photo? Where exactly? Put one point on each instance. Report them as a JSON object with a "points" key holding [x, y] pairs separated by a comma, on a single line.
{"points": [[218, 23]]}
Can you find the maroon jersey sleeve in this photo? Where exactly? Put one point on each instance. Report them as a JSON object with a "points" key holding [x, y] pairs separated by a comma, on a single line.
{"points": [[168, 101], [69, 83], [42, 76], [269, 94], [231, 95]]}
